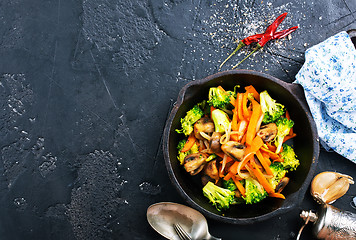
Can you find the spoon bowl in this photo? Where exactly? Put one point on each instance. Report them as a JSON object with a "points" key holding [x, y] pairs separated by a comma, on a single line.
{"points": [[162, 216]]}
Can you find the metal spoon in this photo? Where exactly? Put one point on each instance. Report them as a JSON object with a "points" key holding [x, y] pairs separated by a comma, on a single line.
{"points": [[162, 216]]}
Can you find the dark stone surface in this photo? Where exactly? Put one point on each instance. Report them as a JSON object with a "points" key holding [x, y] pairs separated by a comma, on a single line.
{"points": [[86, 87]]}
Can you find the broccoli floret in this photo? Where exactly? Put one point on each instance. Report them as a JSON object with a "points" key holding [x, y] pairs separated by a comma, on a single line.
{"points": [[278, 173], [204, 106], [290, 159], [229, 185], [254, 191], [219, 98], [221, 198], [190, 118], [182, 155], [271, 109], [221, 120], [283, 127]]}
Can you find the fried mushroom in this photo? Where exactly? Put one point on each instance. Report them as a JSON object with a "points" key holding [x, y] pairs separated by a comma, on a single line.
{"points": [[205, 125], [234, 150], [267, 132], [194, 163], [214, 143]]}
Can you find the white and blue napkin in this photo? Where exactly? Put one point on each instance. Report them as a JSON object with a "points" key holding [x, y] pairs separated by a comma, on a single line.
{"points": [[328, 77]]}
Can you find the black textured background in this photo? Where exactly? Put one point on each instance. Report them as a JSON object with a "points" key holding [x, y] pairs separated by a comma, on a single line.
{"points": [[86, 87]]}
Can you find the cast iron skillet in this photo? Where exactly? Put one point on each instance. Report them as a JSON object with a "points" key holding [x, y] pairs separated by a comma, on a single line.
{"points": [[306, 145]]}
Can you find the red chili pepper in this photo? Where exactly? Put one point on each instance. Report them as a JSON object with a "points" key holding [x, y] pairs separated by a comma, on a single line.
{"points": [[262, 39], [284, 33], [270, 34], [271, 30], [251, 39]]}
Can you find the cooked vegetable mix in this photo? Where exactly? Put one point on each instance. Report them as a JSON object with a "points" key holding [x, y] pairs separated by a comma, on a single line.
{"points": [[236, 142]]}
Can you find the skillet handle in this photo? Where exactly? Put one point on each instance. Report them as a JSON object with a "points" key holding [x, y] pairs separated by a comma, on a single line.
{"points": [[298, 91]]}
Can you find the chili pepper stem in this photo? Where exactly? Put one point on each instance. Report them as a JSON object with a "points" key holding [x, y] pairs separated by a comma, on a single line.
{"points": [[240, 45], [254, 50]]}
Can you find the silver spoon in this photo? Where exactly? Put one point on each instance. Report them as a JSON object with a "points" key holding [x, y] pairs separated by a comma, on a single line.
{"points": [[162, 216]]}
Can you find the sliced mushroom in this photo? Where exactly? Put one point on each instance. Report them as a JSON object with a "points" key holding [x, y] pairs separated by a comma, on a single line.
{"points": [[234, 150], [205, 125], [214, 143], [211, 170], [194, 163], [282, 184], [267, 132]]}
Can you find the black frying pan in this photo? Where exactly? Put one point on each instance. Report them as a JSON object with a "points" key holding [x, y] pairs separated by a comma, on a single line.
{"points": [[306, 145]]}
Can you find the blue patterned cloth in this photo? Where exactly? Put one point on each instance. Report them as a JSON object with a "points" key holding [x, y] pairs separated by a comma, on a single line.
{"points": [[328, 77]]}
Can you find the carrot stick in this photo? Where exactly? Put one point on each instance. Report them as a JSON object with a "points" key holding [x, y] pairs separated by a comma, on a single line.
{"points": [[234, 122], [264, 163], [266, 157], [189, 143], [233, 168], [245, 110], [261, 179], [251, 89], [243, 139], [211, 110], [276, 195], [251, 129], [286, 138], [228, 176], [239, 186], [271, 147], [272, 155], [239, 106], [256, 144]]}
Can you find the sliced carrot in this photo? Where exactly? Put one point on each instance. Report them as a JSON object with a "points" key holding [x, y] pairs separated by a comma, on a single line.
{"points": [[257, 143], [233, 168], [272, 155], [251, 89], [189, 143], [261, 179], [234, 122], [239, 185], [239, 106], [264, 163], [211, 110], [286, 138], [266, 157], [246, 112], [277, 195], [228, 176], [251, 129], [271, 147], [243, 139]]}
